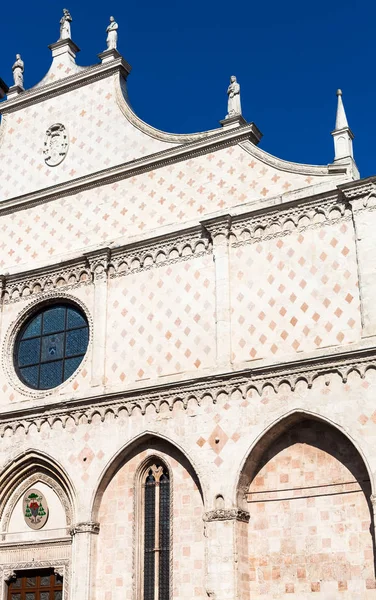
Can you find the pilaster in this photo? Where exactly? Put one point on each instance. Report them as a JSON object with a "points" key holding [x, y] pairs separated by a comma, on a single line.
{"points": [[98, 262], [363, 203], [219, 231], [84, 536], [223, 535]]}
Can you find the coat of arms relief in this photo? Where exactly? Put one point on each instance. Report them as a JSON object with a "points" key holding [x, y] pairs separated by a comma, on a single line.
{"points": [[35, 509], [56, 144]]}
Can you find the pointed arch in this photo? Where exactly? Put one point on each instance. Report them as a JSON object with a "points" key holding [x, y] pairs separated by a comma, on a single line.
{"points": [[271, 433], [307, 486], [24, 468], [146, 441]]}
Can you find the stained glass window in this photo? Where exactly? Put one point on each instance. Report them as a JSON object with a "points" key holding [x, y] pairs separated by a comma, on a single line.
{"points": [[35, 585], [51, 346], [156, 572]]}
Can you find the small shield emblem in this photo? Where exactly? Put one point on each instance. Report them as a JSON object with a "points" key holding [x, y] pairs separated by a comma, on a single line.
{"points": [[35, 509], [56, 144]]}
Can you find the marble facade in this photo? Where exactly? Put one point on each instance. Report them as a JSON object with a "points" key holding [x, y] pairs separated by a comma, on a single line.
{"points": [[230, 302]]}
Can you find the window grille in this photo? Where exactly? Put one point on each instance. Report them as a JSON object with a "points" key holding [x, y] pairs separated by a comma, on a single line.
{"points": [[51, 346], [41, 584], [156, 572]]}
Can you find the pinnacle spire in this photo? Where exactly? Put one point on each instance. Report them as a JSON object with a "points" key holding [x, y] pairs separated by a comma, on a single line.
{"points": [[341, 119], [342, 135]]}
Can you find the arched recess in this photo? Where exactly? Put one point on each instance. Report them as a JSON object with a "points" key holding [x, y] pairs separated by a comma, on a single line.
{"points": [[308, 491], [120, 510], [25, 471], [147, 440]]}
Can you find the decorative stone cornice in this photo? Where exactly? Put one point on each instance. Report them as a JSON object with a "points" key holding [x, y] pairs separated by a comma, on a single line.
{"points": [[167, 249], [96, 265], [69, 274], [198, 147], [222, 514], [87, 527], [359, 189], [218, 228], [290, 167], [99, 261], [112, 405], [278, 222], [86, 76]]}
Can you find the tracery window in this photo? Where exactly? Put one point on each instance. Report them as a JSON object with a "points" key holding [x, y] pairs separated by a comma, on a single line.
{"points": [[51, 345], [156, 533], [41, 584]]}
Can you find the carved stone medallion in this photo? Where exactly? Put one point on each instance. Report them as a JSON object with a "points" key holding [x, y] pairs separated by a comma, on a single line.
{"points": [[56, 144], [35, 509]]}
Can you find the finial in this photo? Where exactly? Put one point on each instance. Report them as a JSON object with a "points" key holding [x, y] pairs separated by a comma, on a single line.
{"points": [[342, 136], [65, 28], [341, 119], [112, 34]]}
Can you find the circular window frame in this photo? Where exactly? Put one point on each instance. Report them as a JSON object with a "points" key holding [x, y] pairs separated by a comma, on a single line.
{"points": [[10, 342]]}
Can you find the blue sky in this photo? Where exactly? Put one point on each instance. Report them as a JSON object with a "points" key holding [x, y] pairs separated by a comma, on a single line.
{"points": [[289, 59]]}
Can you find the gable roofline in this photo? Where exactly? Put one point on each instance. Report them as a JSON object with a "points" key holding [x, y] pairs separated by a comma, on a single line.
{"points": [[222, 138]]}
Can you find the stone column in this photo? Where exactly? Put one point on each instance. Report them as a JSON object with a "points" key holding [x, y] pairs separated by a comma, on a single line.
{"points": [[363, 204], [219, 230], [82, 558], [98, 261], [223, 573]]}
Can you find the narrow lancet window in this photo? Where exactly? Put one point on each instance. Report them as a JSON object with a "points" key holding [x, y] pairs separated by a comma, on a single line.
{"points": [[156, 533]]}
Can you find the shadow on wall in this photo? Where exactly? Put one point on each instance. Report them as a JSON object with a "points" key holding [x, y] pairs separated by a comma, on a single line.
{"points": [[311, 528]]}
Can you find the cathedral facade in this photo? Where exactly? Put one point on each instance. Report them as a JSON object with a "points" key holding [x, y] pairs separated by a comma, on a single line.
{"points": [[188, 361]]}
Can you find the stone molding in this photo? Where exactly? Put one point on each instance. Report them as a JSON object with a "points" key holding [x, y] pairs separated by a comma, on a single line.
{"points": [[160, 251], [174, 138], [93, 266], [219, 228], [60, 566], [362, 189], [31, 481], [12, 332], [87, 75], [182, 152], [285, 165], [98, 261], [282, 221], [362, 199], [222, 514], [57, 544], [85, 527], [69, 275], [173, 247], [304, 371]]}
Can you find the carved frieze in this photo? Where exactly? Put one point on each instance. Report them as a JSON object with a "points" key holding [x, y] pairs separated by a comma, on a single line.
{"points": [[34, 283], [172, 248], [282, 221], [87, 527], [97, 265], [256, 379], [222, 514]]}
